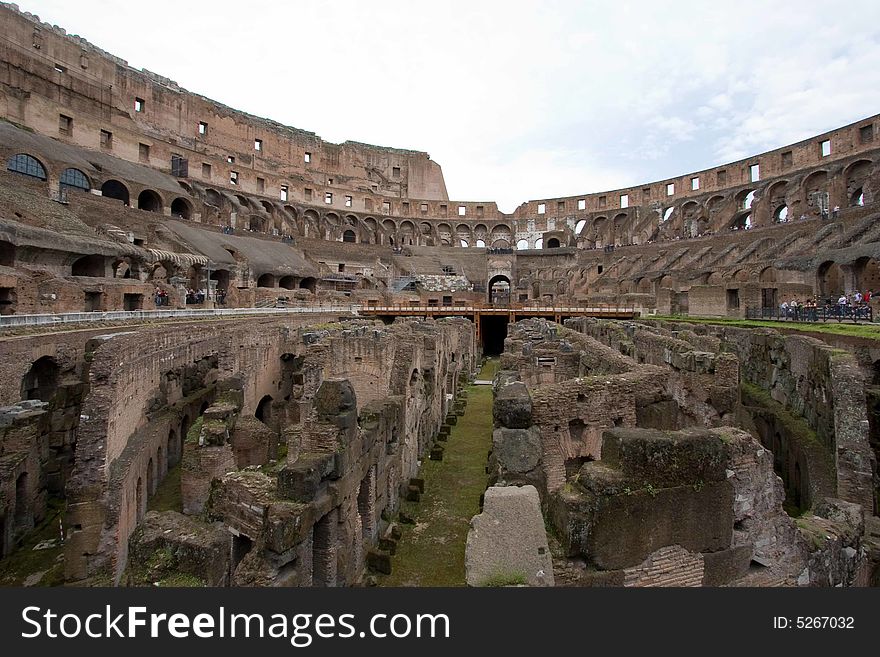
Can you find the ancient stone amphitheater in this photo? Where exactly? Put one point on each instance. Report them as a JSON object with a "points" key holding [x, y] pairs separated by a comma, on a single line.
{"points": [[236, 354]]}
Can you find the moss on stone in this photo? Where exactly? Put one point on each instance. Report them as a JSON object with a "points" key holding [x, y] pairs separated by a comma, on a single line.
{"points": [[192, 436]]}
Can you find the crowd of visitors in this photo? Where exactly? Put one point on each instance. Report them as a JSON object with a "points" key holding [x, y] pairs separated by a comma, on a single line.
{"points": [[856, 305]]}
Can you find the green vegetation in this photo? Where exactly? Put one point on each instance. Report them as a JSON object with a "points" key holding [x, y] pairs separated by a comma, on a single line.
{"points": [[192, 436], [863, 330], [505, 579], [29, 567], [431, 552], [168, 496], [795, 425], [490, 369]]}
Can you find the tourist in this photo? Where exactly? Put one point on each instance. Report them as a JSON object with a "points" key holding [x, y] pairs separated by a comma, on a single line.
{"points": [[835, 213], [783, 310]]}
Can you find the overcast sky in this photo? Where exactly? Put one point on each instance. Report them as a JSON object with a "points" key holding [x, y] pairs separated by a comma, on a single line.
{"points": [[516, 100]]}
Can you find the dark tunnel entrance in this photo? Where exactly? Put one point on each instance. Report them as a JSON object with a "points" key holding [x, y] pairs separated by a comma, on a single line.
{"points": [[493, 330]]}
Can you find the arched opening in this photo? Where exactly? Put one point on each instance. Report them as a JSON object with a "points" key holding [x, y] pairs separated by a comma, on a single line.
{"points": [[172, 449], [308, 283], [349, 236], [151, 477], [579, 226], [7, 254], [256, 224], [180, 207], [221, 284], [76, 179], [139, 499], [287, 282], [857, 199], [149, 201], [667, 214], [830, 279], [266, 280], [522, 245], [116, 190], [264, 410], [268, 207], [21, 501], [499, 290], [539, 243], [481, 244], [90, 265], [212, 197], [867, 271], [553, 243], [463, 243], [780, 215], [41, 380], [741, 222], [26, 165]]}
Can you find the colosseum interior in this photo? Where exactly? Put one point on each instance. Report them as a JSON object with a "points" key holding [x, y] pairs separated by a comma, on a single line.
{"points": [[236, 354]]}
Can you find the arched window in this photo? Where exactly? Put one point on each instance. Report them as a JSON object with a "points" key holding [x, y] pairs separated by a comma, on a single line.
{"points": [[75, 178], [349, 236], [522, 245], [539, 243], [27, 165]]}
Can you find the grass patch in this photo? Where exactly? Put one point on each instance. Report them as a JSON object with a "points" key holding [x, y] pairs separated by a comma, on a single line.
{"points": [[505, 579], [863, 330], [431, 553], [489, 370], [27, 566], [168, 496]]}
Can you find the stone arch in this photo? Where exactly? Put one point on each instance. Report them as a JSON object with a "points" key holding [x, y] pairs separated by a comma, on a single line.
{"points": [[268, 207], [287, 282], [553, 243], [740, 276], [180, 207], [42, 379], [266, 280], [855, 176], [815, 182], [744, 198], [499, 289], [867, 274], [116, 190], [768, 275], [579, 226], [522, 245], [349, 236], [311, 221], [713, 203], [89, 265], [644, 285], [213, 197], [829, 279], [263, 411], [309, 283], [150, 201]]}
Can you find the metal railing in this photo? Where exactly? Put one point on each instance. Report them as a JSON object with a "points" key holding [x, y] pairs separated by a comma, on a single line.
{"points": [[513, 307], [7, 321], [829, 312]]}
